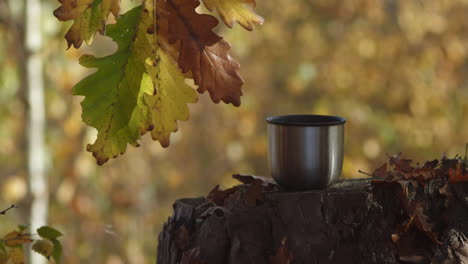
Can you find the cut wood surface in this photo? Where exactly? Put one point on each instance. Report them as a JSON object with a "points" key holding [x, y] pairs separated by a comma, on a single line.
{"points": [[353, 221]]}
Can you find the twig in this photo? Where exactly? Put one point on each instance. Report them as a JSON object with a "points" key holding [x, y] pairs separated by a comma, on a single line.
{"points": [[23, 236], [6, 210], [466, 151], [365, 173]]}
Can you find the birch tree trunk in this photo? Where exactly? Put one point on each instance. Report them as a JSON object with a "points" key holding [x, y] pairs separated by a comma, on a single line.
{"points": [[36, 119]]}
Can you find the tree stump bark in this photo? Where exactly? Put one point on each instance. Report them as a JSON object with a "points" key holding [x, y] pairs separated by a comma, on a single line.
{"points": [[353, 221]]}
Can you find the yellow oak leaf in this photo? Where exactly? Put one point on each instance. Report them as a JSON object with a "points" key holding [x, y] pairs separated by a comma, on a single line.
{"points": [[240, 11], [170, 99], [89, 17]]}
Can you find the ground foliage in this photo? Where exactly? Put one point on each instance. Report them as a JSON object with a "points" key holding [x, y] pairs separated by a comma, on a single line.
{"points": [[12, 245], [141, 88]]}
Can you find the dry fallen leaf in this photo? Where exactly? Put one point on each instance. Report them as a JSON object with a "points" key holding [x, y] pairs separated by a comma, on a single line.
{"points": [[459, 174], [268, 183], [381, 171], [254, 193], [403, 165], [182, 237], [217, 196], [283, 255], [191, 256]]}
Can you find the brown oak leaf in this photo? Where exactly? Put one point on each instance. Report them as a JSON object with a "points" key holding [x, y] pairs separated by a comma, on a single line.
{"points": [[381, 171], [459, 174], [182, 237], [89, 17], [191, 256], [254, 193], [202, 52], [403, 165], [283, 255], [217, 196], [268, 183], [422, 223]]}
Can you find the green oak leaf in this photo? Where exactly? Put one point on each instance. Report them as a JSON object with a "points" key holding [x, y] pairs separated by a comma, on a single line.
{"points": [[49, 232], [126, 97]]}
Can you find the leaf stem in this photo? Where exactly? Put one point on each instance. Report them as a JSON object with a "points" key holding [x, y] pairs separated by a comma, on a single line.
{"points": [[365, 173], [6, 210], [466, 151]]}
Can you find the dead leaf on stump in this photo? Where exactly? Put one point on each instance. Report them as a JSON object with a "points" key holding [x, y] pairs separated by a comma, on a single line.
{"points": [[268, 183], [283, 255], [421, 221], [191, 256], [459, 174], [254, 193], [403, 165], [217, 196], [380, 172], [182, 237]]}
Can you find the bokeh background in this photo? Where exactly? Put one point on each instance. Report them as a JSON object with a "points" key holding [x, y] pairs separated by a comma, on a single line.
{"points": [[397, 70]]}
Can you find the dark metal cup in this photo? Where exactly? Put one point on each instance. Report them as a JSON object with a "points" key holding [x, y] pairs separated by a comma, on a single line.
{"points": [[305, 151]]}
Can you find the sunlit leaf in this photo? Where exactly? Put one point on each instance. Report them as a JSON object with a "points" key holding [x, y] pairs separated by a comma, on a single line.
{"points": [[89, 17], [202, 52], [232, 11], [44, 247], [135, 90], [49, 232]]}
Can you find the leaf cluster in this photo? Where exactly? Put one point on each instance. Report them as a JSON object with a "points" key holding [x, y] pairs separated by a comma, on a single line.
{"points": [[142, 87], [12, 244], [418, 230]]}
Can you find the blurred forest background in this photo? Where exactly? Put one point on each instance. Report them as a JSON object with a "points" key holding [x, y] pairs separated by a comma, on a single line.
{"points": [[397, 70]]}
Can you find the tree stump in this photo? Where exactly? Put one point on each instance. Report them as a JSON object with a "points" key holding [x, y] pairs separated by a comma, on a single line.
{"points": [[353, 221]]}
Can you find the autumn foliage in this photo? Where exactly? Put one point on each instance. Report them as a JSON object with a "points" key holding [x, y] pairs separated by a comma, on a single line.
{"points": [[142, 87], [410, 179], [45, 242]]}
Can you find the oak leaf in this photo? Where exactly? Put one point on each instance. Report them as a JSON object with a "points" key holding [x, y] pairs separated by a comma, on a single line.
{"points": [[89, 17], [239, 11], [459, 174], [166, 99], [282, 256], [217, 196], [403, 165], [381, 171], [202, 52], [268, 183], [128, 96], [254, 193], [191, 256]]}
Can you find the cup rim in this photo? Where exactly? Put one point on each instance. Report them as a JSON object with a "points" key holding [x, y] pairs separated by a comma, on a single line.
{"points": [[306, 120]]}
